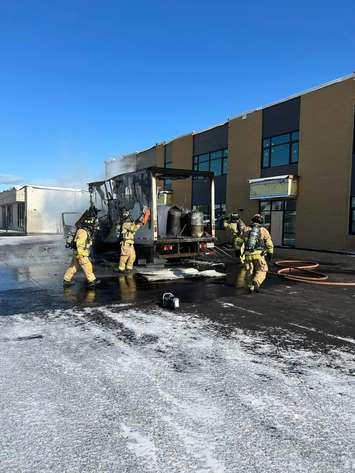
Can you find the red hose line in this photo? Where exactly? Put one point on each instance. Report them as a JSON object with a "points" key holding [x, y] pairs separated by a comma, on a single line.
{"points": [[293, 270]]}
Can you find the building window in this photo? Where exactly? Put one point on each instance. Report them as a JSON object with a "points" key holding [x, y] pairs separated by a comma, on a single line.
{"points": [[216, 162], [21, 215], [265, 210], [289, 223], [3, 216], [220, 213], [280, 150], [352, 216], [10, 220]]}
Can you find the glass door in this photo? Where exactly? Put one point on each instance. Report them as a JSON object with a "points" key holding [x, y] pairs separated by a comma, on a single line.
{"points": [[277, 222], [280, 220]]}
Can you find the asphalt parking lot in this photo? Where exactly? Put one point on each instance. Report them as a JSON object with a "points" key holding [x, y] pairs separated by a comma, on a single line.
{"points": [[106, 380]]}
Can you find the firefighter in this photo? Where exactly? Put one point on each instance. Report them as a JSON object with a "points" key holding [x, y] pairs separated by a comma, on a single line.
{"points": [[258, 248], [235, 225], [81, 244], [128, 230]]}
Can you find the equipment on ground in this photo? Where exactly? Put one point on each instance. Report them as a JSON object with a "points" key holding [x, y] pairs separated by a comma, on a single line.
{"points": [[169, 301]]}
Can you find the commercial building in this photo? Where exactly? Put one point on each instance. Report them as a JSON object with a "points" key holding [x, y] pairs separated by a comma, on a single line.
{"points": [[38, 209], [294, 161]]}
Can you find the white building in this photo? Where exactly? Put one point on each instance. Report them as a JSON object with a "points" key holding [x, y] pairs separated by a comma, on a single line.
{"points": [[38, 209]]}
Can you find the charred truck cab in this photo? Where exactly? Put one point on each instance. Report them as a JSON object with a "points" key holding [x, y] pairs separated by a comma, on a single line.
{"points": [[172, 232]]}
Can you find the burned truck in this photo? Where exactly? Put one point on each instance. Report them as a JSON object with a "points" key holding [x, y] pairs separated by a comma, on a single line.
{"points": [[172, 232]]}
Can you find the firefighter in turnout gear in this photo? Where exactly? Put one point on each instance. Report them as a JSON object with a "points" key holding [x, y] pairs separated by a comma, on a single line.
{"points": [[129, 228], [235, 225], [81, 244], [258, 248]]}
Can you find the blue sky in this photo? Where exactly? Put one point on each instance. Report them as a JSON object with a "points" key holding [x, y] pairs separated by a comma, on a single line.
{"points": [[82, 81]]}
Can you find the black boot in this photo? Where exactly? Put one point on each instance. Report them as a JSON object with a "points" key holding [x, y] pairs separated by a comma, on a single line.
{"points": [[93, 283]]}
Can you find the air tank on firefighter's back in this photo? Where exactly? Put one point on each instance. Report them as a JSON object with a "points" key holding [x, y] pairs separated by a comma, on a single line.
{"points": [[196, 223], [173, 227]]}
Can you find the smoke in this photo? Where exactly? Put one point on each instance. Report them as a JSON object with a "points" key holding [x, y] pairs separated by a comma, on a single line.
{"points": [[73, 180], [76, 180], [47, 251], [121, 165]]}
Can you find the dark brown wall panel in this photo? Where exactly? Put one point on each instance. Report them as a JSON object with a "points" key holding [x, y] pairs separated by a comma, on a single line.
{"points": [[281, 118], [211, 140]]}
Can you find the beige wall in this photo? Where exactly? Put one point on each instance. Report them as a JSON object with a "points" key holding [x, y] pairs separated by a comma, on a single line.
{"points": [[181, 152], [326, 135], [244, 157]]}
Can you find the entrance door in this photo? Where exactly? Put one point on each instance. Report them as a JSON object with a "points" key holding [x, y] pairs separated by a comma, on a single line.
{"points": [[277, 222]]}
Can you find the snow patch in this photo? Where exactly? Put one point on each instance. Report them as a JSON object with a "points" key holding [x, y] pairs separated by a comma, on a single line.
{"points": [[141, 445], [122, 389], [229, 304]]}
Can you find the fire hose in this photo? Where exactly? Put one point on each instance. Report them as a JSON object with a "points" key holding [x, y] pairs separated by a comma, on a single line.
{"points": [[302, 271], [306, 271]]}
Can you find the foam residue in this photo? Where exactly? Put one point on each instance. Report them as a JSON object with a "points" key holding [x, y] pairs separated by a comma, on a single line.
{"points": [[170, 274]]}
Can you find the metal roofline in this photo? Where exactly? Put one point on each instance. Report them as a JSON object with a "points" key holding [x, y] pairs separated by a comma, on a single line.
{"points": [[177, 137], [72, 189], [145, 149], [271, 178], [210, 127]]}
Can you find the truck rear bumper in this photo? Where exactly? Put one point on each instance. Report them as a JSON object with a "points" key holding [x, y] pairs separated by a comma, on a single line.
{"points": [[184, 248]]}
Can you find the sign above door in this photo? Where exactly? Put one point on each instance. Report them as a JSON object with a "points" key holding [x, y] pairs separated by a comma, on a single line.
{"points": [[273, 187]]}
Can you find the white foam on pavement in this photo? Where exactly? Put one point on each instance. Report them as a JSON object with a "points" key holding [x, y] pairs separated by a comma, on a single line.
{"points": [[170, 274]]}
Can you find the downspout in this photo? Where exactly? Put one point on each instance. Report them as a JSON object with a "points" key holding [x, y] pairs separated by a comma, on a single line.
{"points": [[26, 209]]}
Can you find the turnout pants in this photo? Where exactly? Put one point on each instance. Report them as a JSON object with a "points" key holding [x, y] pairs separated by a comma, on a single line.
{"points": [[128, 257], [256, 270], [78, 262]]}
